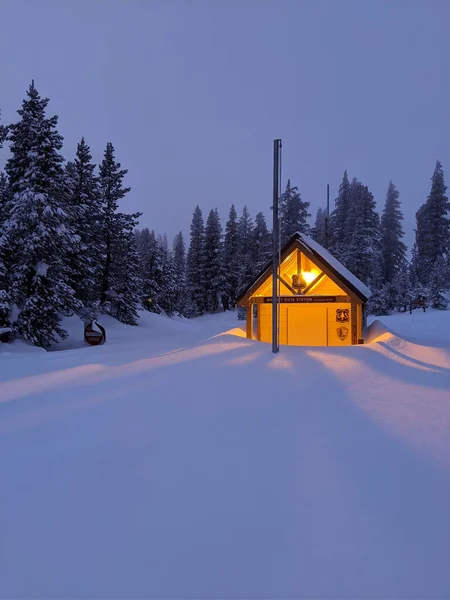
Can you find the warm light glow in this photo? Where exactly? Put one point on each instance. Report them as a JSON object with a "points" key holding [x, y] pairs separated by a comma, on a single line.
{"points": [[308, 276]]}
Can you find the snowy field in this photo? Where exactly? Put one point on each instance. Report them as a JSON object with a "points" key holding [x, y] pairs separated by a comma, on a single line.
{"points": [[181, 460]]}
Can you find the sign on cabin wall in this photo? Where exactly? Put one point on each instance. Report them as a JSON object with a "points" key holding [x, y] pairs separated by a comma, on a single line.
{"points": [[342, 333], [342, 315], [302, 299]]}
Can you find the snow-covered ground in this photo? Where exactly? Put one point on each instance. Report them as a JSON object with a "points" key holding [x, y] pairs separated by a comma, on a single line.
{"points": [[181, 460]]}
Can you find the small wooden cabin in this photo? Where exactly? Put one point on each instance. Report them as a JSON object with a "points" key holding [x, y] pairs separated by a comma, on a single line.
{"points": [[320, 302]]}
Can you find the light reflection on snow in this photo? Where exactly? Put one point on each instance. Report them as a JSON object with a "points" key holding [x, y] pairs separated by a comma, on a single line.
{"points": [[333, 361], [26, 386], [236, 331], [88, 374], [245, 359], [281, 361], [404, 393]]}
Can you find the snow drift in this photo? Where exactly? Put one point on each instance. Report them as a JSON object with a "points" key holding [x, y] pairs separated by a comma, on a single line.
{"points": [[183, 460]]}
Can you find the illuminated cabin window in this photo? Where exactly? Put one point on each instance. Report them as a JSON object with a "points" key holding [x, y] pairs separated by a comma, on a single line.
{"points": [[309, 276], [300, 281]]}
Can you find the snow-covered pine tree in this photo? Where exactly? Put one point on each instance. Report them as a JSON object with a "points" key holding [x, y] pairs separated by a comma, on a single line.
{"points": [[318, 232], [3, 134], [415, 287], [293, 213], [125, 285], [179, 261], [393, 248], [69, 169], [231, 260], [358, 192], [37, 230], [195, 276], [167, 298], [422, 263], [262, 243], [241, 313], [164, 241], [137, 240], [5, 304], [215, 281], [246, 249], [378, 303], [338, 219], [439, 284], [433, 228], [120, 282], [363, 254], [157, 273], [401, 285], [144, 248], [151, 261], [4, 198], [84, 199], [438, 209]]}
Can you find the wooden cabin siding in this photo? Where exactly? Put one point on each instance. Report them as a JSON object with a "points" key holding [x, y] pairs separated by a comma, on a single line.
{"points": [[266, 288], [327, 287], [297, 327], [306, 325]]}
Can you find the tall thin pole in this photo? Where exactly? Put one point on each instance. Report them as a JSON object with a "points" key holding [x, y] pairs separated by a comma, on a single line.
{"points": [[327, 216], [275, 235]]}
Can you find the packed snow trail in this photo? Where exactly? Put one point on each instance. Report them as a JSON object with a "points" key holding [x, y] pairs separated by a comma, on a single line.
{"points": [[222, 470]]}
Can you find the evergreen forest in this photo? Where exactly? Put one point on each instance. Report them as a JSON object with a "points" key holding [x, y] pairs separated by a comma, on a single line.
{"points": [[68, 247]]}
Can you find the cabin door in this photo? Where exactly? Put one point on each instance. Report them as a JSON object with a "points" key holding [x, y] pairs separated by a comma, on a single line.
{"points": [[307, 325]]}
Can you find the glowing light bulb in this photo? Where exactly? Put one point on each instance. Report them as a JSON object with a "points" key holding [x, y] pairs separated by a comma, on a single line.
{"points": [[308, 276]]}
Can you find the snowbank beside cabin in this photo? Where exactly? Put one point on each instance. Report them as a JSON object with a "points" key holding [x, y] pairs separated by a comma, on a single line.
{"points": [[425, 328]]}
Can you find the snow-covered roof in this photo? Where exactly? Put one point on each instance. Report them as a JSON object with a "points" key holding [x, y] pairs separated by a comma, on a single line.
{"points": [[335, 264], [323, 256]]}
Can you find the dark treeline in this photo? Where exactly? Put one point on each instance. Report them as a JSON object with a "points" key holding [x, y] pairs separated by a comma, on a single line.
{"points": [[67, 248], [372, 247], [219, 261]]}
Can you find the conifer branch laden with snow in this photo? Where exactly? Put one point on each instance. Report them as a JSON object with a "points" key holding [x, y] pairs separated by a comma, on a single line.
{"points": [[195, 276], [432, 246], [120, 281], [293, 213], [318, 233], [5, 258], [37, 231], [245, 249], [393, 248], [231, 261], [213, 263]]}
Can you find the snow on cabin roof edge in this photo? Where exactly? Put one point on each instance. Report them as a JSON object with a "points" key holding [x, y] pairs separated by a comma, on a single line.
{"points": [[334, 263]]}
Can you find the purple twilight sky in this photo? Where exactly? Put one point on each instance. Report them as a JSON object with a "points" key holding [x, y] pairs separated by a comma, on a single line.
{"points": [[192, 93]]}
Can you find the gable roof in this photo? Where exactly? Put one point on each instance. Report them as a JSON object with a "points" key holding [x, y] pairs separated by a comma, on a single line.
{"points": [[322, 258]]}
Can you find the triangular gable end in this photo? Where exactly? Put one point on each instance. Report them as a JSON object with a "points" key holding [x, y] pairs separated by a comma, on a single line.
{"points": [[296, 261], [297, 243]]}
